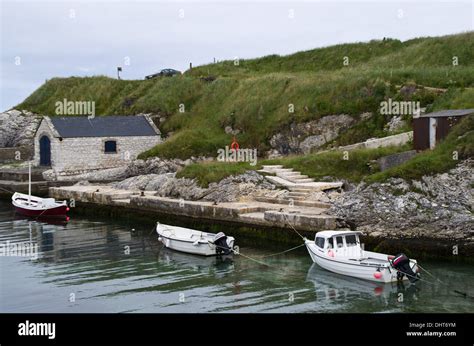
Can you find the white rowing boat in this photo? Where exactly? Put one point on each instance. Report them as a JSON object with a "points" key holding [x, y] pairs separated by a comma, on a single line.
{"points": [[340, 252], [194, 241]]}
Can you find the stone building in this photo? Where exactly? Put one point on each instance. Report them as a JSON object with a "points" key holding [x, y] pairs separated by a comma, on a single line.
{"points": [[78, 144]]}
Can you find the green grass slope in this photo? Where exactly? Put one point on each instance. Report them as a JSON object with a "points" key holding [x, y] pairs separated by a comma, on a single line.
{"points": [[358, 165], [254, 95]]}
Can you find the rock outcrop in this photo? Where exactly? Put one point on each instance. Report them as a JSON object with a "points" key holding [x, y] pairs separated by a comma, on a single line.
{"points": [[304, 137], [439, 206], [395, 124], [234, 188], [18, 128], [230, 189]]}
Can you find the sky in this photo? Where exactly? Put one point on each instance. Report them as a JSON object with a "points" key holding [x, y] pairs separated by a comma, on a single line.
{"points": [[40, 40]]}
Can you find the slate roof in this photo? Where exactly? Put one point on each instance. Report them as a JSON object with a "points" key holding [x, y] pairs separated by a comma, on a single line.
{"points": [[103, 126], [449, 113]]}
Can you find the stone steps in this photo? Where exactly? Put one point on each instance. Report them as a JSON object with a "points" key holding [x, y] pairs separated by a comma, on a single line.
{"points": [[300, 189], [296, 198], [302, 180], [287, 202], [291, 175], [298, 194], [288, 174], [285, 171], [271, 167], [294, 180]]}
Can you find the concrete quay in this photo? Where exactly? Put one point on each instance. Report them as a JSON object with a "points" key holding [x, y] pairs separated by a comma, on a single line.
{"points": [[257, 213]]}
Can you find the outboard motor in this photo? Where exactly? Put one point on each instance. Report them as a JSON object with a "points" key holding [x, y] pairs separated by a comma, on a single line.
{"points": [[401, 262], [222, 248]]}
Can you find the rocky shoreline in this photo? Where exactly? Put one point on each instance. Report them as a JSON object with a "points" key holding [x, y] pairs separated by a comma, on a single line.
{"points": [[437, 207]]}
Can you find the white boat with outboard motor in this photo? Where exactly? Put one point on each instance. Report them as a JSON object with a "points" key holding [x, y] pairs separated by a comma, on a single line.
{"points": [[340, 252], [193, 241]]}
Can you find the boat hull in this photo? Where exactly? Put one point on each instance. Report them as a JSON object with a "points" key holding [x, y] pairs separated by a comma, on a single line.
{"points": [[343, 266], [187, 247], [52, 212], [34, 206], [194, 242]]}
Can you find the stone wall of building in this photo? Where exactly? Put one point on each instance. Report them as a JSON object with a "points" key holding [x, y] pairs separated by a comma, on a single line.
{"points": [[78, 155]]}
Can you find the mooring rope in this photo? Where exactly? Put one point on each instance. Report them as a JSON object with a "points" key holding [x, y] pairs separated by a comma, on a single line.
{"points": [[434, 277], [9, 191], [464, 294], [40, 214], [415, 277], [294, 229], [282, 252], [241, 254]]}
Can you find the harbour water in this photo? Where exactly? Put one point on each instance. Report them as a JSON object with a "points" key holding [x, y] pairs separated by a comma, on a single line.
{"points": [[100, 265]]}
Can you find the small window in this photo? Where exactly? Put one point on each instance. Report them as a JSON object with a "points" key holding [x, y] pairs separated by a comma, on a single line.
{"points": [[331, 243], [339, 242], [110, 147], [320, 242], [351, 240]]}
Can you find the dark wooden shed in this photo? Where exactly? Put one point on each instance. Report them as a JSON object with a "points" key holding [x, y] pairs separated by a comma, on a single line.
{"points": [[431, 128]]}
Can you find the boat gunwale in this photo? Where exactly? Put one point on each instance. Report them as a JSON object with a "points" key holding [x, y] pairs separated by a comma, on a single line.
{"points": [[188, 240], [359, 264]]}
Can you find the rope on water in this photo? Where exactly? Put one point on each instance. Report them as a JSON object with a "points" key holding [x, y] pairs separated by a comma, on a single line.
{"points": [[464, 294], [241, 254], [282, 252], [434, 277], [415, 277], [9, 191]]}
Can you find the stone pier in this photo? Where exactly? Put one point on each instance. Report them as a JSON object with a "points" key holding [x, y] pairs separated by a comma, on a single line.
{"points": [[257, 213]]}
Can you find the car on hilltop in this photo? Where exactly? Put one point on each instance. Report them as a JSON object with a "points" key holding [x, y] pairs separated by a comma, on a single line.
{"points": [[167, 72]]}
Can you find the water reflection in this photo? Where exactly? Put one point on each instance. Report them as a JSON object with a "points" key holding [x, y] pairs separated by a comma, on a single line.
{"points": [[215, 266], [332, 286], [108, 268]]}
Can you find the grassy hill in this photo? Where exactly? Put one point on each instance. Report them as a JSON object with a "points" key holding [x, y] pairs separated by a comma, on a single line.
{"points": [[430, 52], [254, 95], [458, 145]]}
